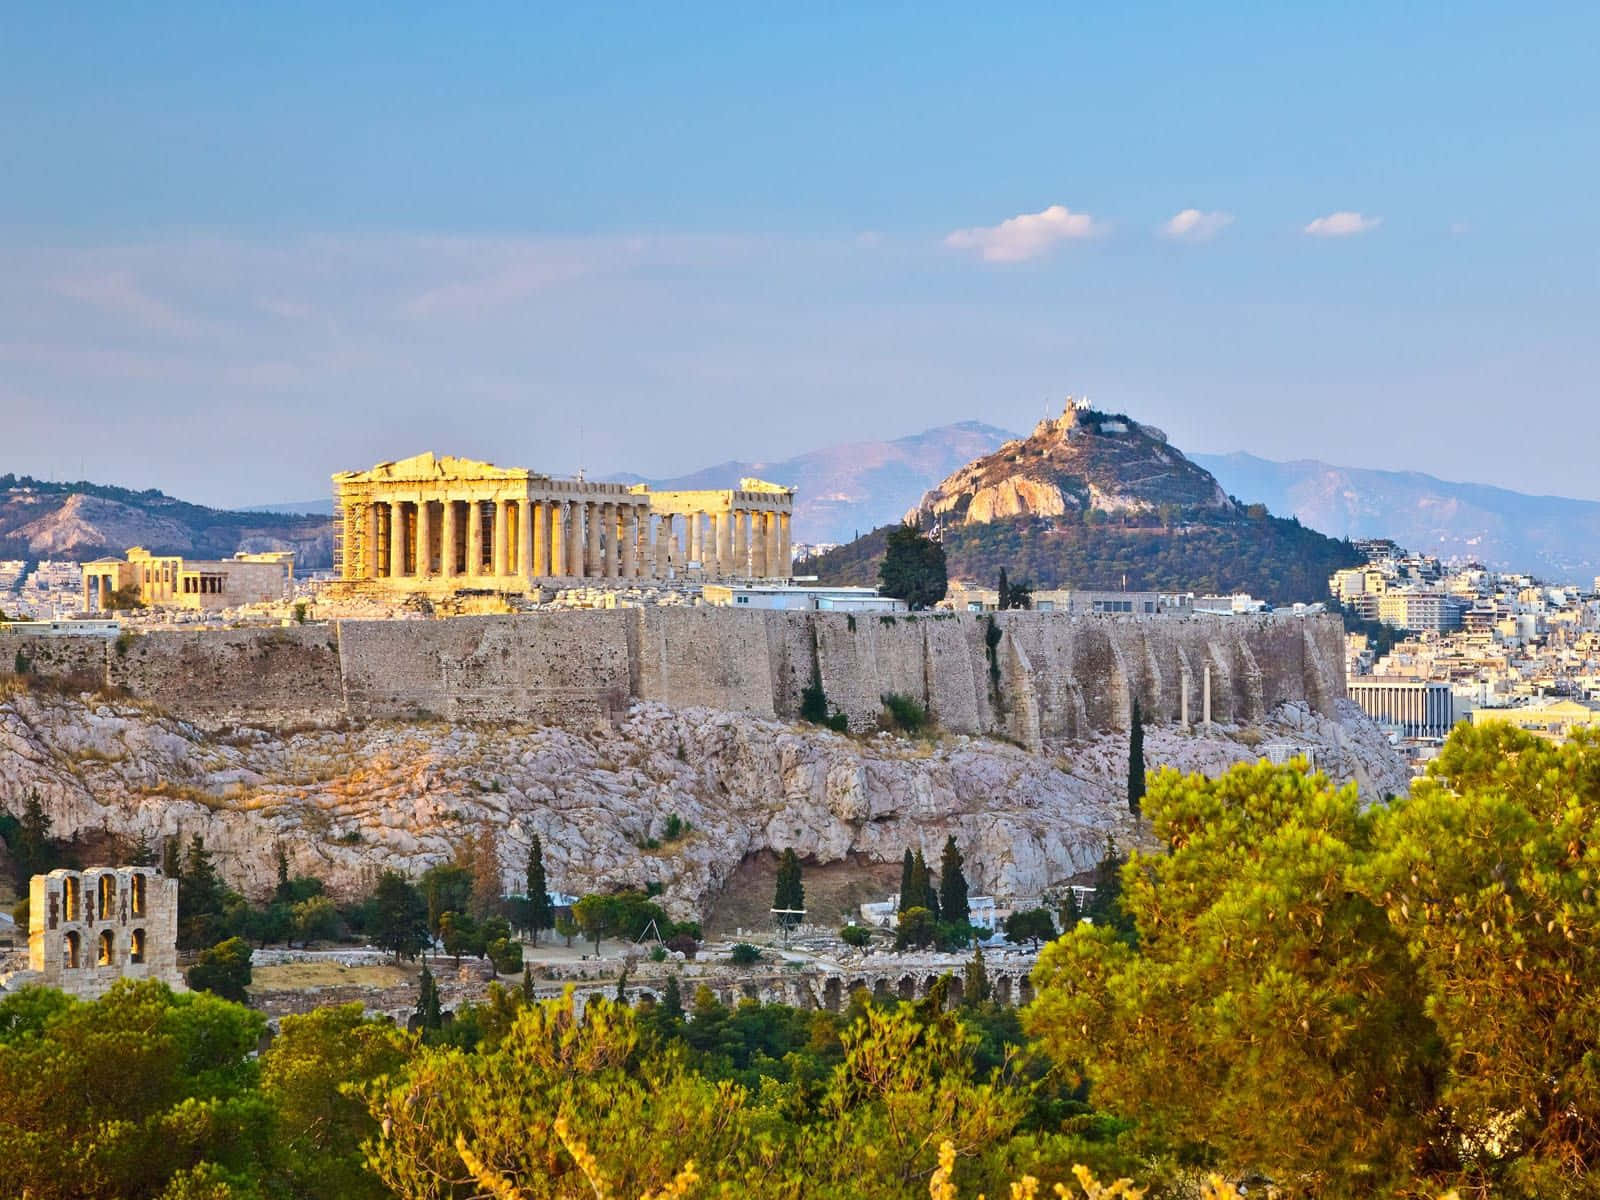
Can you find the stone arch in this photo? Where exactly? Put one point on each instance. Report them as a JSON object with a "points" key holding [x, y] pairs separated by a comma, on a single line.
{"points": [[928, 984], [1025, 990], [72, 950], [137, 893], [958, 991], [1002, 989], [106, 950], [644, 996], [136, 946], [71, 898], [831, 989], [750, 990], [907, 988], [880, 989], [804, 996]]}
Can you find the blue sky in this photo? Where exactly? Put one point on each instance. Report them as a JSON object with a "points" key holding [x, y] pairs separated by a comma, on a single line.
{"points": [[244, 246]]}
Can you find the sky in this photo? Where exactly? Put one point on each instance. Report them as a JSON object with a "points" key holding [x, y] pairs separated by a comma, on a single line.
{"points": [[245, 246]]}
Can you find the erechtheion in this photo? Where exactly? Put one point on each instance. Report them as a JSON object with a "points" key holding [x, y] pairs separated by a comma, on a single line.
{"points": [[440, 523]]}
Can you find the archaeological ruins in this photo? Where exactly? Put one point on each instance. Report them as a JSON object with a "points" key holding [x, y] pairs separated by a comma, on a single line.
{"points": [[88, 929], [434, 524], [177, 582]]}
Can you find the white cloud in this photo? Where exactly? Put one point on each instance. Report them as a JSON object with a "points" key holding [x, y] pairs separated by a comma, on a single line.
{"points": [[1342, 224], [1025, 236], [1192, 225]]}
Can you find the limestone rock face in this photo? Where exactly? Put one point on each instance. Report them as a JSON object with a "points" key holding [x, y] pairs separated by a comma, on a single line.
{"points": [[345, 805], [1083, 460]]}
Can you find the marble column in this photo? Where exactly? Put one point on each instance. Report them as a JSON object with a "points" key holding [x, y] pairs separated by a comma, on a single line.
{"points": [[424, 557], [474, 537], [663, 523], [574, 561], [556, 528], [758, 545], [741, 543], [447, 539], [775, 567], [696, 551], [525, 528], [626, 527], [374, 564], [497, 539], [592, 565], [724, 544], [785, 551], [397, 539]]}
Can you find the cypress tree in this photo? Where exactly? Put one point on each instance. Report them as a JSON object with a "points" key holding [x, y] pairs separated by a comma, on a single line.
{"points": [[1136, 761], [283, 892], [1004, 590], [539, 912], [927, 894], [953, 885], [170, 866], [527, 984], [790, 892], [908, 883], [428, 1014], [672, 999], [975, 988]]}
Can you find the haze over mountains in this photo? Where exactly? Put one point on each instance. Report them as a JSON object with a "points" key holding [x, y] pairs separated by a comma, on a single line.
{"points": [[851, 487], [1550, 536]]}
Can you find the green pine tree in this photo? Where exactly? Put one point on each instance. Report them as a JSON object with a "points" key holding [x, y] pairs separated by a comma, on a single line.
{"points": [[540, 914], [953, 885], [672, 999], [527, 984], [927, 894], [1136, 761]]}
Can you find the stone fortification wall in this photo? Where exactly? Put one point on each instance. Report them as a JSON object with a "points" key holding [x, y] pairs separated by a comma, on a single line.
{"points": [[1026, 676]]}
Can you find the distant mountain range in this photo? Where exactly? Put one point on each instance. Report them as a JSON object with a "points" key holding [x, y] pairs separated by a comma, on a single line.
{"points": [[1549, 536], [849, 488], [83, 521]]}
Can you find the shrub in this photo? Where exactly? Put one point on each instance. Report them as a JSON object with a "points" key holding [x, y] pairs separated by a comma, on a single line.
{"points": [[855, 935], [684, 943], [506, 955], [744, 954], [902, 713]]}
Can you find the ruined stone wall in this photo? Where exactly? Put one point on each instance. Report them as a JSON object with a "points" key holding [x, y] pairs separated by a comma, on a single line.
{"points": [[1022, 675], [243, 676], [62, 657]]}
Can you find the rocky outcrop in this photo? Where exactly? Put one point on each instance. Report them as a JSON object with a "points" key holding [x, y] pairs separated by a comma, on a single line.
{"points": [[346, 804], [1082, 461]]}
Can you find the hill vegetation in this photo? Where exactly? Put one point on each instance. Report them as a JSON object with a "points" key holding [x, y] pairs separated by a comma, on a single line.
{"points": [[1270, 557], [1302, 994]]}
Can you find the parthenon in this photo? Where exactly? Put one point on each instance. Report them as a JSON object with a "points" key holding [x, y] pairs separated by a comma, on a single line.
{"points": [[438, 523]]}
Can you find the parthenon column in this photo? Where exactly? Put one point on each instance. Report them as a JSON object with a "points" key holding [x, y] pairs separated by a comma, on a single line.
{"points": [[474, 537], [374, 565], [785, 552], [724, 522], [397, 539], [447, 539], [497, 539], [575, 540], [538, 543], [608, 530], [591, 559], [424, 557], [627, 517], [758, 544], [775, 568], [525, 528], [663, 543], [741, 543], [556, 528]]}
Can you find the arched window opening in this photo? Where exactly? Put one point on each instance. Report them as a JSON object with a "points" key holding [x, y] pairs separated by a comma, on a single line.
{"points": [[71, 898], [108, 949], [107, 904], [73, 947], [138, 896], [136, 947]]}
